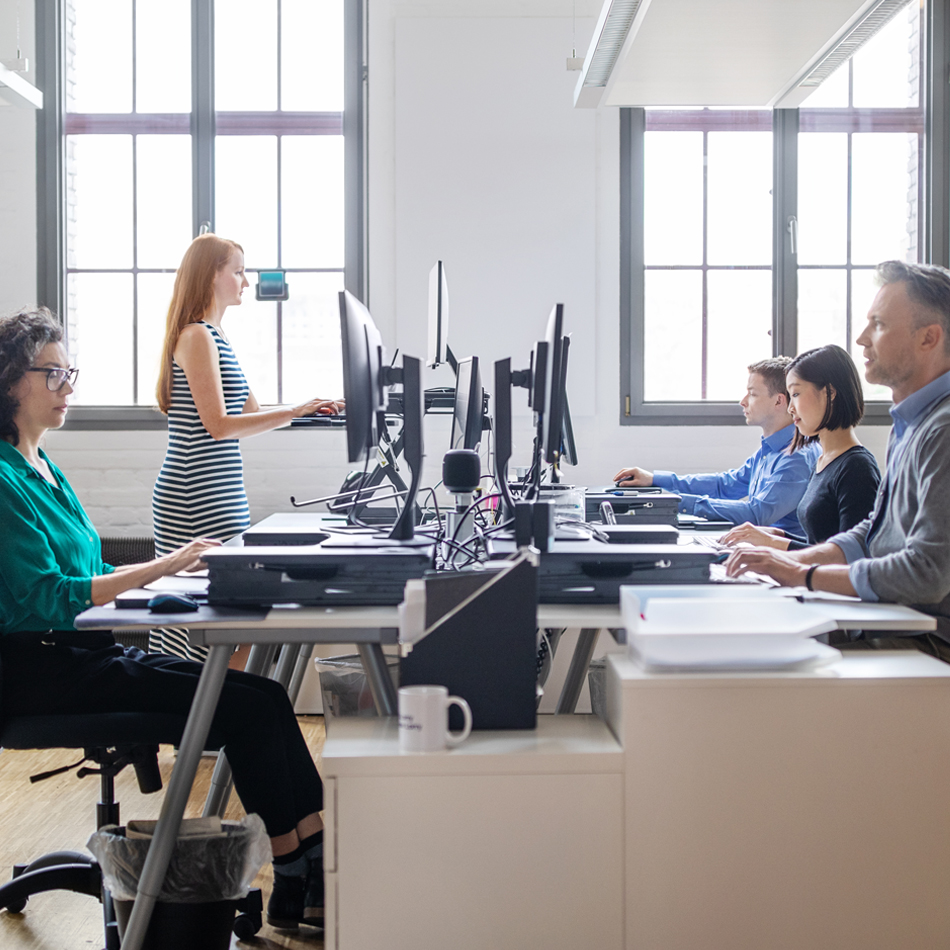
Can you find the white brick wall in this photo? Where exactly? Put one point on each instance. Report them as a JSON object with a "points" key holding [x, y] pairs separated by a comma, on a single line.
{"points": [[113, 472]]}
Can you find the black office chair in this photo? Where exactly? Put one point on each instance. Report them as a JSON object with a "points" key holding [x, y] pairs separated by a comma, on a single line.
{"points": [[111, 741]]}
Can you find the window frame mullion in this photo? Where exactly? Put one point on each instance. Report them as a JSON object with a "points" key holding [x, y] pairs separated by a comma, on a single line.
{"points": [[784, 211], [202, 114]]}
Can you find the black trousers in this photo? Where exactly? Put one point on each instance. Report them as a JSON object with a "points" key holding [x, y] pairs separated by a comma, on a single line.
{"points": [[88, 672]]}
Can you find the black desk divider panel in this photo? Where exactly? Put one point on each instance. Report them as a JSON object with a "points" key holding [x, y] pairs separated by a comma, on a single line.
{"points": [[481, 643]]}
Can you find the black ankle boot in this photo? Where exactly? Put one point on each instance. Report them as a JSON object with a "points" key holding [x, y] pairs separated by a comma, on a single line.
{"points": [[286, 903], [313, 902]]}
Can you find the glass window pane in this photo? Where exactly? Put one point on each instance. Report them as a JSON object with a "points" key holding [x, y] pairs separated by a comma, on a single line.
{"points": [[164, 199], [739, 322], [313, 364], [163, 56], [822, 308], [864, 289], [246, 195], [823, 198], [311, 58], [245, 55], [99, 61], [673, 343], [100, 311], [99, 201], [832, 93], [739, 189], [673, 197], [252, 330], [885, 69], [884, 197], [312, 214], [154, 296]]}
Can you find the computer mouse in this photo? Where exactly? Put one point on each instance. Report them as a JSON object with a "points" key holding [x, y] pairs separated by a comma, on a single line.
{"points": [[172, 604]]}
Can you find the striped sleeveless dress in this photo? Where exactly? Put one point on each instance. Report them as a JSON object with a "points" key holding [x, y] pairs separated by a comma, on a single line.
{"points": [[199, 492]]}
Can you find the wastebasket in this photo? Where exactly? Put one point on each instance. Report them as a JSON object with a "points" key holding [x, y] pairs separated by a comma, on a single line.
{"points": [[344, 687], [597, 680], [206, 878]]}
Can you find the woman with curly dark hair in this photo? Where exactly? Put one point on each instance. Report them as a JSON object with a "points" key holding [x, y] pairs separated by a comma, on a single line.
{"points": [[52, 570]]}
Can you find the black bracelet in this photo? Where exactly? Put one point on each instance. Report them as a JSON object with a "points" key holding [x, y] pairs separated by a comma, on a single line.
{"points": [[808, 576]]}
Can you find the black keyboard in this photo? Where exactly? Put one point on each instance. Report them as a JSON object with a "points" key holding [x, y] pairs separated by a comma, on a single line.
{"points": [[319, 422]]}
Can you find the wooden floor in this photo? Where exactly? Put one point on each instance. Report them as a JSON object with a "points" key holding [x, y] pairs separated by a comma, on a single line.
{"points": [[59, 815]]}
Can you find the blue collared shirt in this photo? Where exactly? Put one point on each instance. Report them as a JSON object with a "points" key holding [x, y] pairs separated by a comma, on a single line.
{"points": [[907, 416], [765, 490]]}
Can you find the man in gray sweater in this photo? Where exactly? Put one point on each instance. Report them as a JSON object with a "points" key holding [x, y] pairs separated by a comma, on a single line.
{"points": [[901, 552]]}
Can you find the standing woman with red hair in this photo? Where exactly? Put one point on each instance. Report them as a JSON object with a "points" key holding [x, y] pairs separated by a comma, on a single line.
{"points": [[199, 492]]}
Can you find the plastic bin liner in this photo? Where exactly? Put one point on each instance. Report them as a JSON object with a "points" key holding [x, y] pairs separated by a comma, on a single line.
{"points": [[597, 679], [344, 686], [201, 869]]}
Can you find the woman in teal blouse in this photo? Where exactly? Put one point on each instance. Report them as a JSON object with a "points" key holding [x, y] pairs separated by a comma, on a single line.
{"points": [[52, 569]]}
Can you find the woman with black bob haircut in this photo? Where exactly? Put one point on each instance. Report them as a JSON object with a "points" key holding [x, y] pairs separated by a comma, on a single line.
{"points": [[826, 402], [51, 570]]}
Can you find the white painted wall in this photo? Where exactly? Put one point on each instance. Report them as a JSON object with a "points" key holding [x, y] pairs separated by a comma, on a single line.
{"points": [[17, 170], [475, 155]]}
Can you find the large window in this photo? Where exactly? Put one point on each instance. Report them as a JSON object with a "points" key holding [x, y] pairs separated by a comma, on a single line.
{"points": [[185, 115], [750, 233]]}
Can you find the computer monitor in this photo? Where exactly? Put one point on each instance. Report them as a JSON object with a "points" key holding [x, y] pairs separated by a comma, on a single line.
{"points": [[568, 445], [552, 406], [439, 351], [502, 425], [362, 383], [467, 416], [365, 379], [413, 411]]}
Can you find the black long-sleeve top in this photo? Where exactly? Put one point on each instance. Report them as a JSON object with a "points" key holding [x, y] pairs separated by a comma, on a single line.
{"points": [[838, 497]]}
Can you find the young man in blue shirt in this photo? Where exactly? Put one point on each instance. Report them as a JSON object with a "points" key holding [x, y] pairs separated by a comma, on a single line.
{"points": [[767, 487]]}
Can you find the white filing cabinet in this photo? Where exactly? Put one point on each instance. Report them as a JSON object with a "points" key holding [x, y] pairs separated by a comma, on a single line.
{"points": [[512, 840], [801, 811]]}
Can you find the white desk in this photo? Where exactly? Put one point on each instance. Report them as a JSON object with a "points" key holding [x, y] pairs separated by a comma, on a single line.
{"points": [[799, 810], [368, 627], [510, 841]]}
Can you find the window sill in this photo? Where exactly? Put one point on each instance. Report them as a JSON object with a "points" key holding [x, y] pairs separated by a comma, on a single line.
{"points": [[719, 414]]}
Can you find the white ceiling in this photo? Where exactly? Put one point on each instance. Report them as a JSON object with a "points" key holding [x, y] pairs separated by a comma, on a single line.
{"points": [[744, 53]]}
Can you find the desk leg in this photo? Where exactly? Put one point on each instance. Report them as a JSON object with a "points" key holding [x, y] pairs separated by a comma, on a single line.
{"points": [[377, 675], [580, 663], [286, 663], [300, 670], [183, 775]]}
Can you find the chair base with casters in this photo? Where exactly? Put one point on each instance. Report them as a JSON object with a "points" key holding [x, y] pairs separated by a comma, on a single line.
{"points": [[111, 741]]}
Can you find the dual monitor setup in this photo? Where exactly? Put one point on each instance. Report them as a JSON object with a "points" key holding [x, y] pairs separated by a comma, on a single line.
{"points": [[367, 378]]}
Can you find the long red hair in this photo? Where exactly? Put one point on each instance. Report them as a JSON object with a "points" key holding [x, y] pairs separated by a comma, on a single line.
{"points": [[191, 299]]}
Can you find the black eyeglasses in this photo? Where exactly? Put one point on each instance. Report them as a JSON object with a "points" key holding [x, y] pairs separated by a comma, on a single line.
{"points": [[56, 378]]}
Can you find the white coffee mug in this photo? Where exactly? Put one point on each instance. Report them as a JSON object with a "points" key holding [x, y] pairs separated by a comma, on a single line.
{"points": [[423, 719]]}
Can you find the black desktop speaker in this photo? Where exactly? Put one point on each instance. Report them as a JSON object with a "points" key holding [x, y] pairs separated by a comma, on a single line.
{"points": [[481, 643]]}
